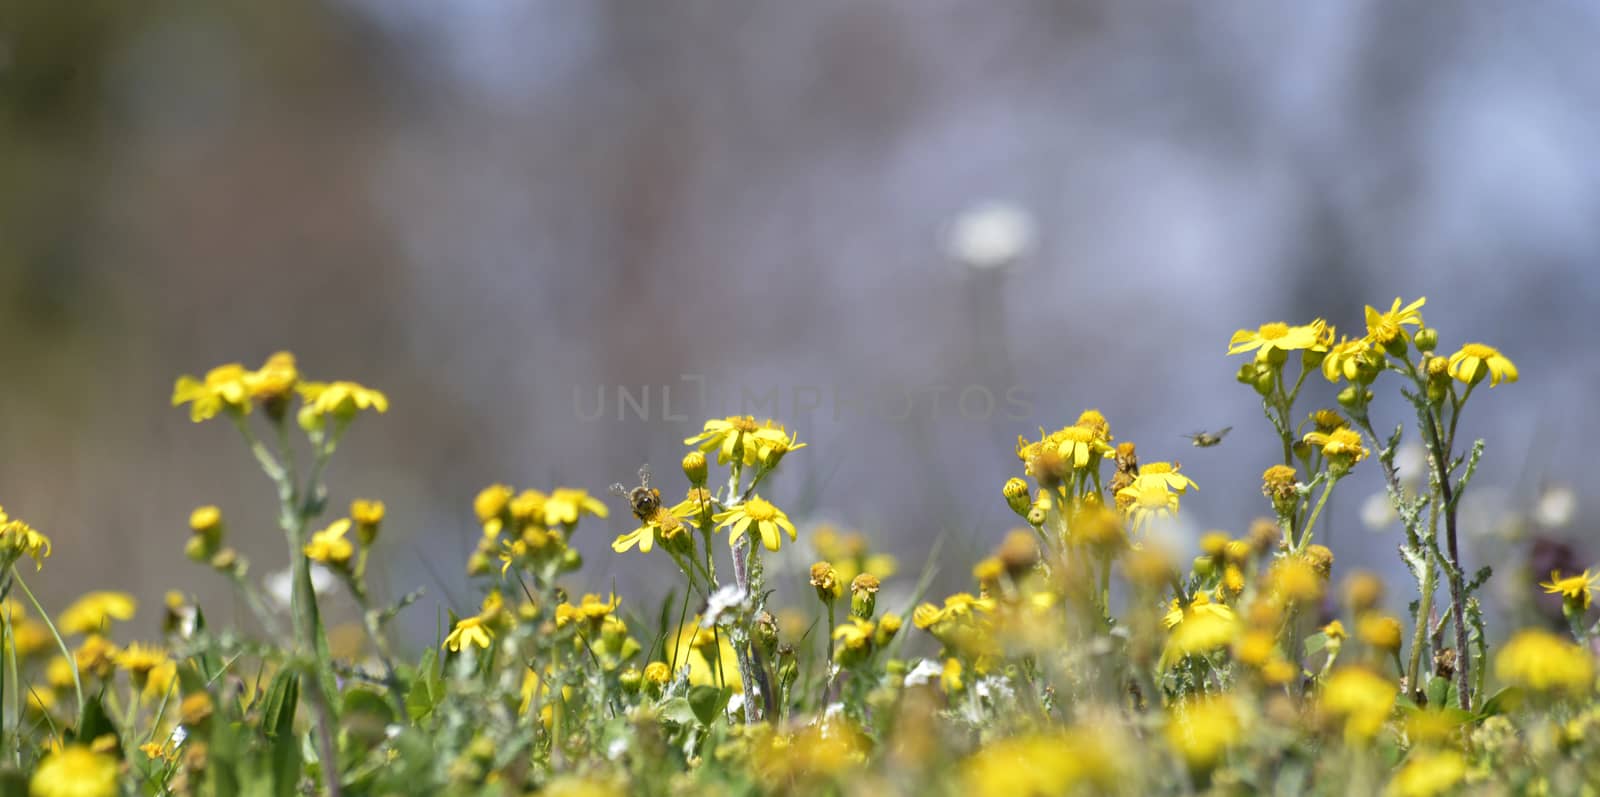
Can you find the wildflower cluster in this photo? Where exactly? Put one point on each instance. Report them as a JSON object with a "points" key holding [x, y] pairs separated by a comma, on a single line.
{"points": [[1083, 654]]}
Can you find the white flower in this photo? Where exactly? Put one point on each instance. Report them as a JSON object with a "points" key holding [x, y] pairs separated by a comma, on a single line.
{"points": [[1377, 513], [280, 585], [1410, 462], [991, 235], [927, 671], [725, 599], [1556, 507]]}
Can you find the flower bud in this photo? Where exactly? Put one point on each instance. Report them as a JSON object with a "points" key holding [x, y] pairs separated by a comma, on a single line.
{"points": [[198, 549], [766, 633], [225, 560], [1353, 397], [1204, 566], [694, 467], [1396, 346], [1426, 338], [1363, 591], [1265, 379], [368, 516], [478, 564], [1311, 359], [1016, 493], [206, 522], [1036, 516], [826, 581], [864, 595], [631, 679], [1018, 553]]}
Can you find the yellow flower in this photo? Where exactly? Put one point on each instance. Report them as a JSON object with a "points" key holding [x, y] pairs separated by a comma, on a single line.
{"points": [[1202, 729], [1148, 502], [1385, 327], [31, 636], [740, 437], [94, 611], [275, 380], [1166, 474], [695, 503], [1361, 697], [1578, 589], [1342, 444], [1346, 358], [566, 504], [74, 771], [1201, 604], [1334, 630], [662, 523], [1206, 627], [591, 610], [342, 400], [18, 539], [222, 389], [469, 631], [1541, 661], [1380, 631], [1427, 774], [826, 582], [854, 635], [96, 655], [1070, 761], [329, 545], [1079, 445], [658, 673], [767, 519], [1475, 360], [1277, 336], [368, 517]]}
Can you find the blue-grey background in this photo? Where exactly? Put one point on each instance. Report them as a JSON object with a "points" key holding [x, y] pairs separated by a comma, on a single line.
{"points": [[482, 207]]}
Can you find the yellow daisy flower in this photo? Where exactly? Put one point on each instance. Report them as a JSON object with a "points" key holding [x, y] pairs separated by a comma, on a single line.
{"points": [[223, 388], [18, 539], [1577, 589], [95, 610], [1346, 358], [1148, 502], [75, 771], [339, 399], [1339, 444], [1079, 445], [565, 504], [663, 524], [1165, 474], [469, 631], [1385, 327], [1475, 361], [592, 610], [763, 515], [274, 380], [742, 437], [329, 545], [1277, 335], [1541, 661]]}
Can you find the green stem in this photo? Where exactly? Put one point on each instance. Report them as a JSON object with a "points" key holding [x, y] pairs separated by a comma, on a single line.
{"points": [[1305, 536], [77, 681]]}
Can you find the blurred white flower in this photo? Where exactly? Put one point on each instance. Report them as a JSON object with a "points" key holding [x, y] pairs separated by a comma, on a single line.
{"points": [[1411, 463], [1377, 513], [927, 671], [1556, 507], [991, 235], [728, 598], [280, 585]]}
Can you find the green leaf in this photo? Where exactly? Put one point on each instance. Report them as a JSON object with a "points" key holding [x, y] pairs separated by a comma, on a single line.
{"points": [[707, 703], [426, 687], [1441, 692], [1502, 702], [677, 710], [94, 722], [1316, 642], [365, 715], [278, 706]]}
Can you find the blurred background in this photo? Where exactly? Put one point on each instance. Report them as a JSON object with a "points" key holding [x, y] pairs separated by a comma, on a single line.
{"points": [[859, 217]]}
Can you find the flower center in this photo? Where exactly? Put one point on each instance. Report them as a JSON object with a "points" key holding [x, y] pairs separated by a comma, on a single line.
{"points": [[1273, 331], [743, 423], [1153, 497], [1479, 351], [759, 509]]}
